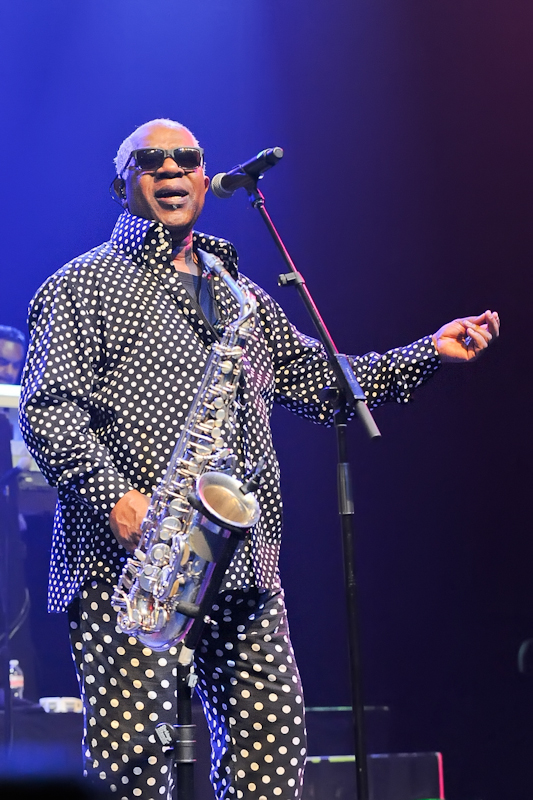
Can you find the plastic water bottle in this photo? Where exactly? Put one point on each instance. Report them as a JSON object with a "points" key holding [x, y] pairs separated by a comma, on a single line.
{"points": [[16, 679]]}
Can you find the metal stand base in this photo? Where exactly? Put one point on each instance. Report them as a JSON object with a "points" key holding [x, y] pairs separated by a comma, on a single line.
{"points": [[181, 737]]}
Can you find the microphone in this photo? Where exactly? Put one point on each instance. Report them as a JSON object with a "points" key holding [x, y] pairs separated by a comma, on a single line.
{"points": [[244, 175]]}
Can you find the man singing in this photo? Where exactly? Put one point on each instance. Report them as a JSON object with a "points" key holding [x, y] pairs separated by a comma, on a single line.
{"points": [[119, 341]]}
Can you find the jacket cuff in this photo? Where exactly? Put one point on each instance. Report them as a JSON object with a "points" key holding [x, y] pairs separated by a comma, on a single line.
{"points": [[100, 490]]}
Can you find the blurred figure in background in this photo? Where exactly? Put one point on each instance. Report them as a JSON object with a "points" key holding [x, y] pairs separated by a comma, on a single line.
{"points": [[12, 523], [12, 351]]}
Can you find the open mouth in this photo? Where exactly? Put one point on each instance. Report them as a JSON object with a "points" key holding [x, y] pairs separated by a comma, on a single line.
{"points": [[171, 197]]}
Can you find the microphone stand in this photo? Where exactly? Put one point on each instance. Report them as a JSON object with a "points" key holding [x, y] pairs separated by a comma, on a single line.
{"points": [[180, 738], [346, 394]]}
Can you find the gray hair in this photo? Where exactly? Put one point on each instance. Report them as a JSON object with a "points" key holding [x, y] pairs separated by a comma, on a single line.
{"points": [[124, 151]]}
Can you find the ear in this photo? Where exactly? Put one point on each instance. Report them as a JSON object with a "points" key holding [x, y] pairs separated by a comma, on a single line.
{"points": [[119, 187]]}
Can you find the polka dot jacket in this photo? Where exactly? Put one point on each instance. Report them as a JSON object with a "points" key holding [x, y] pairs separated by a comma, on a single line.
{"points": [[117, 350]]}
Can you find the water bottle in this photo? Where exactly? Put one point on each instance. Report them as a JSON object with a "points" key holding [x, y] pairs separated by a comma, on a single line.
{"points": [[16, 679]]}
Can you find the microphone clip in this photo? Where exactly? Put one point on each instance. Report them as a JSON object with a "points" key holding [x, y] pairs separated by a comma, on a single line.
{"points": [[291, 279]]}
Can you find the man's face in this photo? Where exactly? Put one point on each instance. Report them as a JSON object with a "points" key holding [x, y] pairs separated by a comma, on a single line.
{"points": [[168, 194], [11, 358]]}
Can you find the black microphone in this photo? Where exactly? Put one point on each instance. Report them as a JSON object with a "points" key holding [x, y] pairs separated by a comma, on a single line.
{"points": [[225, 183]]}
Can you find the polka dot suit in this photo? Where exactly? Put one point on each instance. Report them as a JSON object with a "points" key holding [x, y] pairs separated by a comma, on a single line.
{"points": [[118, 348], [248, 684]]}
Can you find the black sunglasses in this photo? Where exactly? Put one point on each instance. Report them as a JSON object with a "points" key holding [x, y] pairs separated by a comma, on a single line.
{"points": [[151, 158]]}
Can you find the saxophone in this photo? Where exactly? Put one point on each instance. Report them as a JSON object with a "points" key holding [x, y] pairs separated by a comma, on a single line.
{"points": [[198, 502]]}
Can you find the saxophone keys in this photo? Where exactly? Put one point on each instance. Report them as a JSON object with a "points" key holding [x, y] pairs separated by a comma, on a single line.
{"points": [[185, 554], [176, 507], [203, 450], [176, 586], [163, 589], [149, 577], [169, 527], [136, 617], [172, 523], [159, 554]]}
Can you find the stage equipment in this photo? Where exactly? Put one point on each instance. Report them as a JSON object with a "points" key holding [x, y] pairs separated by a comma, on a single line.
{"points": [[35, 496], [345, 395]]}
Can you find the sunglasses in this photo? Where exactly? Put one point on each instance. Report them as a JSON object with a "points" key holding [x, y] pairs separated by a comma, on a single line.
{"points": [[152, 158]]}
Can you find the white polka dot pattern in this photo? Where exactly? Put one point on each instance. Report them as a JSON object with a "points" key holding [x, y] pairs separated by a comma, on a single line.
{"points": [[116, 355], [249, 687]]}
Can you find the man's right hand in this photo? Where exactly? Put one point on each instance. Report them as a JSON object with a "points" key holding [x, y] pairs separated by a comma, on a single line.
{"points": [[126, 518]]}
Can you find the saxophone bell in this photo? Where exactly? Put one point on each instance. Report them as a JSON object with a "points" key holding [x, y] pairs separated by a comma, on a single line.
{"points": [[221, 499]]}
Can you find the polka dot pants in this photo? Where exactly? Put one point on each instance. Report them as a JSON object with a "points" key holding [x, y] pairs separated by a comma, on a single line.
{"points": [[248, 683]]}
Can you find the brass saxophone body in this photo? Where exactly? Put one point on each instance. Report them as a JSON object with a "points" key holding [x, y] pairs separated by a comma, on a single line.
{"points": [[196, 505]]}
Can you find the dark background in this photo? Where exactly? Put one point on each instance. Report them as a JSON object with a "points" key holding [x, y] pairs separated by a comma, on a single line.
{"points": [[405, 198]]}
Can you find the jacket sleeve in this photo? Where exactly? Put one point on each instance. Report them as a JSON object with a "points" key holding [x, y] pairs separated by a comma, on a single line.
{"points": [[302, 370], [61, 368]]}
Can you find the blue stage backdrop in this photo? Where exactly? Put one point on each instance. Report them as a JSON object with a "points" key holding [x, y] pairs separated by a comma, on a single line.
{"points": [[405, 198]]}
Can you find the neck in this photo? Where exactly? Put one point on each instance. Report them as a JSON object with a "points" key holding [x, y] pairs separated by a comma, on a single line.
{"points": [[183, 258]]}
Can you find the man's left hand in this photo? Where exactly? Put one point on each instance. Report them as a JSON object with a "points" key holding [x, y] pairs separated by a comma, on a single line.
{"points": [[465, 339]]}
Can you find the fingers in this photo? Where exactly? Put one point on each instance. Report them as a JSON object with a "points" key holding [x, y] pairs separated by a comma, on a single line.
{"points": [[481, 330], [465, 338], [126, 518], [479, 320], [490, 318], [480, 337], [493, 322]]}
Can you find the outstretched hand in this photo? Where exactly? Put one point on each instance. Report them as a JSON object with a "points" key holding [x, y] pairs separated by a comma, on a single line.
{"points": [[465, 339]]}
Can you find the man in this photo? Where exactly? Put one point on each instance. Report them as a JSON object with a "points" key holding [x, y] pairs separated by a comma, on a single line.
{"points": [[12, 349], [119, 341]]}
